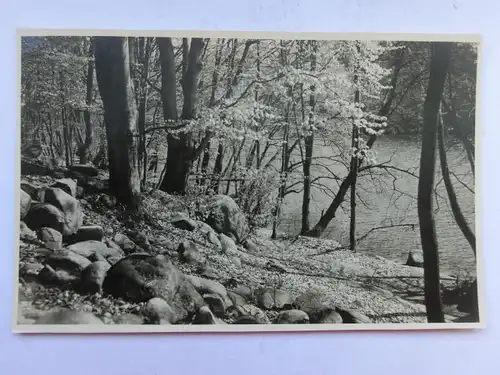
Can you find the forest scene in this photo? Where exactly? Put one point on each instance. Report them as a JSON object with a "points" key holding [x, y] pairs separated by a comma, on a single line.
{"points": [[246, 181]]}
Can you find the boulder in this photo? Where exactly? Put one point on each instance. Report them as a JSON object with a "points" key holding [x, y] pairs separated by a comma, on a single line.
{"points": [[216, 304], [205, 286], [25, 232], [129, 319], [93, 277], [292, 317], [25, 203], [182, 221], [126, 244], [92, 249], [247, 311], [350, 316], [157, 310], [236, 299], [188, 253], [68, 261], [51, 238], [60, 277], [270, 298], [84, 169], [315, 302], [37, 193], [205, 316], [186, 301], [415, 258], [87, 233], [66, 316], [327, 315], [227, 244], [224, 216], [244, 291], [69, 206], [250, 246], [29, 271], [140, 277], [68, 185], [45, 215]]}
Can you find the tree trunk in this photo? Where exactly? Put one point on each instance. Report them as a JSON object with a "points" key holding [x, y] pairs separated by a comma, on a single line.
{"points": [[216, 174], [120, 117], [440, 58], [83, 151], [145, 52], [354, 171], [455, 207]]}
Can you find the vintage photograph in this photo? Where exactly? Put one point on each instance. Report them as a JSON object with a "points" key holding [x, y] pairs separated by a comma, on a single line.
{"points": [[244, 181]]}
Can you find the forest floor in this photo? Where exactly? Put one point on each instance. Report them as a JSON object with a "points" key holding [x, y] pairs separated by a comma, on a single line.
{"points": [[384, 291]]}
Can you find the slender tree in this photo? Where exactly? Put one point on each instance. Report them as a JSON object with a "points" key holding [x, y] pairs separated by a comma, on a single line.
{"points": [[439, 65], [120, 117]]}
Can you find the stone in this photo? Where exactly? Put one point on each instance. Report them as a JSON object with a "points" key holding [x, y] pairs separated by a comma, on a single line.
{"points": [[25, 203], [205, 316], [68, 185], [68, 261], [25, 233], [188, 253], [226, 217], [227, 244], [415, 258], [214, 240], [66, 316], [236, 312], [157, 310], [270, 298], [205, 286], [84, 169], [93, 277], [69, 206], [36, 193], [140, 277], [87, 233], [29, 271], [51, 238], [246, 319], [250, 246], [129, 319], [182, 221], [216, 304], [327, 316], [292, 317], [236, 261], [236, 299], [61, 278], [125, 243], [186, 301], [208, 272], [90, 249], [44, 215], [314, 301], [244, 291], [351, 316]]}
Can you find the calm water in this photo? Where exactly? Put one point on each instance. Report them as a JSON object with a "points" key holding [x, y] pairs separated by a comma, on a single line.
{"points": [[384, 206]]}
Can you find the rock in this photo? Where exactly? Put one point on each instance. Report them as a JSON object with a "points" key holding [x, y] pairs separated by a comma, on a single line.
{"points": [[224, 216], [126, 244], [186, 301], [68, 185], [208, 272], [205, 286], [87, 233], [235, 260], [164, 243], [36, 193], [84, 169], [129, 319], [236, 299], [91, 249], [246, 319], [468, 300], [314, 302], [292, 317], [188, 253], [93, 277], [66, 316], [204, 228], [69, 206], [182, 221], [415, 258], [68, 261], [270, 298], [29, 271], [327, 316], [244, 291], [51, 277], [25, 232], [205, 316], [140, 277], [25, 203], [227, 244], [44, 215], [250, 246], [236, 312], [157, 310], [274, 265], [51, 238], [214, 240], [216, 304], [350, 316]]}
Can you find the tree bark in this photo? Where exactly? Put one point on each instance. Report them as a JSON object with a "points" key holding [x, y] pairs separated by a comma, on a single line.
{"points": [[439, 64], [354, 171], [83, 151], [120, 117], [455, 207]]}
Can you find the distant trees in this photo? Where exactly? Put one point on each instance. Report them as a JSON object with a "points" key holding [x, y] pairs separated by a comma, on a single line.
{"points": [[120, 117]]}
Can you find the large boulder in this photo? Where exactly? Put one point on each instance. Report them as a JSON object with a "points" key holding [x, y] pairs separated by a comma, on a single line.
{"points": [[182, 221], [292, 317], [37, 193], [186, 301], [68, 185], [227, 244], [270, 298], [205, 286], [188, 253], [318, 305], [351, 316], [87, 233], [225, 216], [69, 206], [126, 244], [51, 238], [25, 203], [95, 250], [140, 277], [415, 258], [60, 277], [68, 261], [25, 232], [45, 215], [247, 314], [84, 169], [158, 311], [66, 316], [205, 316]]}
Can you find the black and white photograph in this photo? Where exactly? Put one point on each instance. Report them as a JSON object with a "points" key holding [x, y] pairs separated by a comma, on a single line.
{"points": [[247, 181]]}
